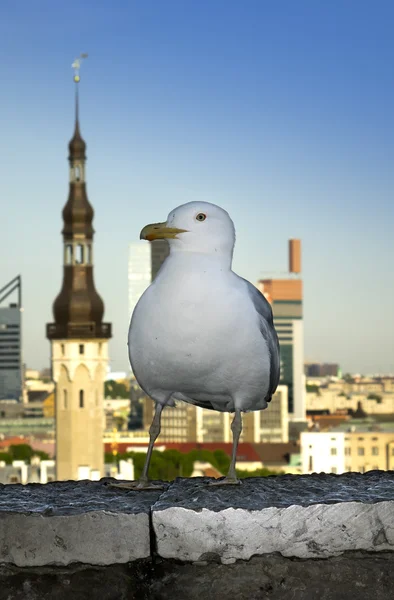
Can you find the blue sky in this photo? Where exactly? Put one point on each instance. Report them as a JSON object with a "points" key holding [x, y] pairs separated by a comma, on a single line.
{"points": [[281, 112]]}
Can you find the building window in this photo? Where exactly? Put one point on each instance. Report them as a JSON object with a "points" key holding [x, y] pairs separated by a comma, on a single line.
{"points": [[79, 254], [333, 470], [89, 259], [81, 398], [310, 463], [360, 451], [69, 254], [375, 451], [100, 347], [347, 451], [333, 451], [62, 349], [81, 349], [362, 469], [64, 399]]}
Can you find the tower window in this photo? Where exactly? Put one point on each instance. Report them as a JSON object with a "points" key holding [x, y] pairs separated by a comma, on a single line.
{"points": [[81, 349], [89, 258], [81, 399], [62, 349], [79, 254], [64, 399], [69, 254], [77, 172]]}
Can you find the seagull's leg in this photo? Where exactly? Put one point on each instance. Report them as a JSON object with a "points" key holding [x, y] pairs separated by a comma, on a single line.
{"points": [[236, 428], [143, 483], [154, 433]]}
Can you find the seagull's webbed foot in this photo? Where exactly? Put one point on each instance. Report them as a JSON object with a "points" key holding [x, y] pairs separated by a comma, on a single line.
{"points": [[226, 481], [141, 485]]}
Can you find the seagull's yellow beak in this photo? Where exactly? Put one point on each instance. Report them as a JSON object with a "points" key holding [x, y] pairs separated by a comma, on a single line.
{"points": [[159, 231]]}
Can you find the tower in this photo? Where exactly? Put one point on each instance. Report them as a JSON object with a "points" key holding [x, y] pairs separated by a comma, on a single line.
{"points": [[11, 372], [145, 261], [286, 299], [78, 336]]}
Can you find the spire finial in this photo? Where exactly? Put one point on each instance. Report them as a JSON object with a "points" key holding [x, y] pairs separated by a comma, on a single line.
{"points": [[76, 66]]}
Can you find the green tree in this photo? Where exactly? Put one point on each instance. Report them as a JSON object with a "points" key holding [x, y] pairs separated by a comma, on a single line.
{"points": [[348, 378], [115, 389], [6, 457], [375, 397], [25, 452], [264, 472], [313, 389], [21, 452], [170, 464]]}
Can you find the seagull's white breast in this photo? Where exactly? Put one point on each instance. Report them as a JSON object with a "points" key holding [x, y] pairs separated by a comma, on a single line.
{"points": [[195, 330]]}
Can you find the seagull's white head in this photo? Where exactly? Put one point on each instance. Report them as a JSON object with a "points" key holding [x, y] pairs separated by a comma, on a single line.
{"points": [[195, 227]]}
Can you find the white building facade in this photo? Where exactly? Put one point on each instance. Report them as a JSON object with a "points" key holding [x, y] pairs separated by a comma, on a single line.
{"points": [[323, 452]]}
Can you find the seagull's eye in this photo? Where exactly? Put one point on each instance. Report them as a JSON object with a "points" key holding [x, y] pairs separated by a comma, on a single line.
{"points": [[201, 217]]}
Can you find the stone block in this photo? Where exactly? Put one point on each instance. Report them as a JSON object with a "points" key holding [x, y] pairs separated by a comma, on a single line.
{"points": [[73, 522], [311, 516]]}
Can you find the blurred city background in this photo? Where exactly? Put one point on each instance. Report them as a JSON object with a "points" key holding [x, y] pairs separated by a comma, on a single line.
{"points": [[280, 113]]}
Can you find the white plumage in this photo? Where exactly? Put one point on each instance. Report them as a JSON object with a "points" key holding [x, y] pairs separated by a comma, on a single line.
{"points": [[200, 333]]}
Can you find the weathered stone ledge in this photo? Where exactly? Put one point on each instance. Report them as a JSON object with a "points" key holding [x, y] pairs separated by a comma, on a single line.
{"points": [[304, 537], [311, 516]]}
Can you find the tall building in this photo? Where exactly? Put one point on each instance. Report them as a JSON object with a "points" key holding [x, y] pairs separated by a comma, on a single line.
{"points": [[145, 261], [159, 252], [78, 336], [139, 275], [321, 369], [11, 374], [188, 423], [179, 424], [285, 297]]}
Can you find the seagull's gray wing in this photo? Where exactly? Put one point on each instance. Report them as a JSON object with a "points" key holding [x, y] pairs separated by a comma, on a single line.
{"points": [[263, 308]]}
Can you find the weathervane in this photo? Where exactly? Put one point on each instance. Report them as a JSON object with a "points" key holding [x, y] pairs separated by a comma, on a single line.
{"points": [[77, 65]]}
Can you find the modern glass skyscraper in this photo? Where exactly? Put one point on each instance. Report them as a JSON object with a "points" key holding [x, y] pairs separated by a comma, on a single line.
{"points": [[140, 272], [145, 261], [285, 297], [159, 252], [11, 378]]}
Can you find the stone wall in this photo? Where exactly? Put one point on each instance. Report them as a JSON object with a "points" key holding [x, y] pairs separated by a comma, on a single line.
{"points": [[296, 537]]}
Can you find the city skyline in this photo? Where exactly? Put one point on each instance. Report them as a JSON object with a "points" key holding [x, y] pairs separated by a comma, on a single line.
{"points": [[277, 114]]}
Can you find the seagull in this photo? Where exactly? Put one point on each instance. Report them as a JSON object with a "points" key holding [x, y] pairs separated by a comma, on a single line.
{"points": [[200, 333]]}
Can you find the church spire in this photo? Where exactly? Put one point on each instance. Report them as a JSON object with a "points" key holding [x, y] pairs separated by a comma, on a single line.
{"points": [[78, 309], [77, 145]]}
